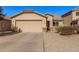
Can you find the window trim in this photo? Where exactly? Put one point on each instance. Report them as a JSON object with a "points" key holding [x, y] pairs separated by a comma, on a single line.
{"points": [[55, 23], [77, 13]]}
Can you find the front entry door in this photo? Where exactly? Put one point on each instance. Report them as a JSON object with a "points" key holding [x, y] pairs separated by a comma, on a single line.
{"points": [[48, 25]]}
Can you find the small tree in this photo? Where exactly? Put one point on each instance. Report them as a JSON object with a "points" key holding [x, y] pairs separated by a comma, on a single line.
{"points": [[1, 13]]}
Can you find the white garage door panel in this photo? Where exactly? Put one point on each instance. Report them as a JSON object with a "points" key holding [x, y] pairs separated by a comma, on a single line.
{"points": [[29, 26]]}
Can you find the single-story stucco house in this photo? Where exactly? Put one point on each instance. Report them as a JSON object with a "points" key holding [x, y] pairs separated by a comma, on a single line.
{"points": [[71, 17], [32, 21], [29, 21], [5, 24]]}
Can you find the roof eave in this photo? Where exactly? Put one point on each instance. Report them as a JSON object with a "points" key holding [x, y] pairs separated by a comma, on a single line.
{"points": [[28, 12]]}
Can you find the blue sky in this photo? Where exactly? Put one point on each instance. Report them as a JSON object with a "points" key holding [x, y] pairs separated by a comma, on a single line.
{"points": [[59, 10]]}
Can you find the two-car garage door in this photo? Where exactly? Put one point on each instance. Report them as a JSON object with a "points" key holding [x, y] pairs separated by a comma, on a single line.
{"points": [[29, 26]]}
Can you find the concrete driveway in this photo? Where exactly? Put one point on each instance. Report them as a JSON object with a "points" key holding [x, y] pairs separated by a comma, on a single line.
{"points": [[39, 42], [30, 42]]}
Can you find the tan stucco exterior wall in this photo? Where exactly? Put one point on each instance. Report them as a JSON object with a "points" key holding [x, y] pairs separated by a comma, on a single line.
{"points": [[67, 20], [74, 17], [29, 16], [61, 23]]}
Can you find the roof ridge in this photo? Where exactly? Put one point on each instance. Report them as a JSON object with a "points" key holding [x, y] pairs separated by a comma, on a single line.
{"points": [[29, 11]]}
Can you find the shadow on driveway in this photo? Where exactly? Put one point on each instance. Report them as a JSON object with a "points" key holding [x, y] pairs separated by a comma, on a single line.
{"points": [[8, 33]]}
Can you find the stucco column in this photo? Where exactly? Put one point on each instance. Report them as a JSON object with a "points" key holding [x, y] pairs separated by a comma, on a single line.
{"points": [[51, 25], [44, 24]]}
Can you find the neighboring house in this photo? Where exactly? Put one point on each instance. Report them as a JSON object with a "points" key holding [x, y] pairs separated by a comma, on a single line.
{"points": [[29, 21], [53, 21], [5, 24], [71, 17]]}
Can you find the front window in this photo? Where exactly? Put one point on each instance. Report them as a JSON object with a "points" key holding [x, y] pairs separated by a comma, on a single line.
{"points": [[55, 23], [77, 13]]}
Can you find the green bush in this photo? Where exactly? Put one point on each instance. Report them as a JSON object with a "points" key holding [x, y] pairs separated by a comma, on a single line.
{"points": [[66, 30]]}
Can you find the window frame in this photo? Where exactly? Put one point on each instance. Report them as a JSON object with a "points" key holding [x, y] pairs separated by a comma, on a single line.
{"points": [[77, 13], [55, 23]]}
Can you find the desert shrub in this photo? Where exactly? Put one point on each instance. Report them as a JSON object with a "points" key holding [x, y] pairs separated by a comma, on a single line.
{"points": [[66, 30], [14, 29], [56, 29]]}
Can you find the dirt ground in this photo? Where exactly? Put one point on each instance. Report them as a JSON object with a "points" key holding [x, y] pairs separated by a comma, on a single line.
{"points": [[39, 42]]}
